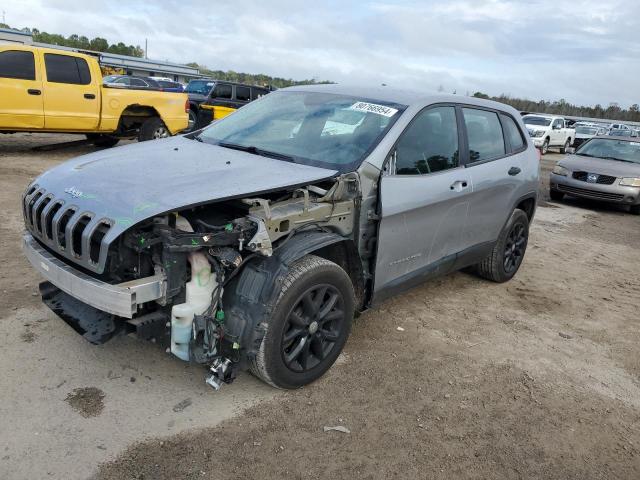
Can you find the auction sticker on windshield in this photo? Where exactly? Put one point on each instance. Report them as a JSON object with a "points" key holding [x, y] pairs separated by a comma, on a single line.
{"points": [[373, 108]]}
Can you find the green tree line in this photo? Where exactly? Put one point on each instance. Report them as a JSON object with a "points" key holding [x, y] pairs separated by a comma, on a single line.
{"points": [[81, 42], [561, 107], [253, 78]]}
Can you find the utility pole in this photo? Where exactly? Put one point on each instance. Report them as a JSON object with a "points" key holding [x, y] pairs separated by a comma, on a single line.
{"points": [[3, 20], [145, 48]]}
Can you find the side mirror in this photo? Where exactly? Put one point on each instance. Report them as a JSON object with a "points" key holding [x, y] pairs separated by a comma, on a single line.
{"points": [[570, 151]]}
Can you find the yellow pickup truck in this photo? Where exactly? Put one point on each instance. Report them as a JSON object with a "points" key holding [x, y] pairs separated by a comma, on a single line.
{"points": [[48, 90]]}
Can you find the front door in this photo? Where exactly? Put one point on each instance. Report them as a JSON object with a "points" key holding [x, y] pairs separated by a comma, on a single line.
{"points": [[423, 203], [20, 91], [71, 99]]}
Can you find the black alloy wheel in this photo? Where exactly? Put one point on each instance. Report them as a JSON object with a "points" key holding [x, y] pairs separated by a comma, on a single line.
{"points": [[312, 328], [514, 248]]}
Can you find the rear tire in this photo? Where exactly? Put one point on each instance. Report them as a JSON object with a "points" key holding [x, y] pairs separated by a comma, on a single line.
{"points": [[193, 118], [567, 144], [555, 195], [309, 325], [635, 209], [507, 254], [101, 140], [152, 129]]}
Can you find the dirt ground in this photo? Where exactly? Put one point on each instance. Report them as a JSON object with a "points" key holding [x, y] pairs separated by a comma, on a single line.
{"points": [[535, 378]]}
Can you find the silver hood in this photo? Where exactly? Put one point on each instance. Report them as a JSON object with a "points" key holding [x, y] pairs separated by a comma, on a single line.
{"points": [[614, 168], [115, 189]]}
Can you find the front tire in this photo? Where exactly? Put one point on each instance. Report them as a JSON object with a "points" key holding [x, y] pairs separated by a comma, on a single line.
{"points": [[152, 129], [309, 325], [507, 254], [545, 147]]}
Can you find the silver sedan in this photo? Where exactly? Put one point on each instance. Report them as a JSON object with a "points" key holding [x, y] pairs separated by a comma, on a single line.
{"points": [[605, 168]]}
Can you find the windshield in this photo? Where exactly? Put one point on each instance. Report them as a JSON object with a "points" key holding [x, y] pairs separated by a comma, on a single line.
{"points": [[319, 129], [533, 120], [611, 149], [203, 87], [587, 130]]}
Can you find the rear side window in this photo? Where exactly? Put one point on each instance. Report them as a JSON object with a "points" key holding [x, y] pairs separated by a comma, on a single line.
{"points": [[17, 64], [66, 69], [429, 144], [513, 133], [484, 133], [136, 82], [222, 91], [243, 94]]}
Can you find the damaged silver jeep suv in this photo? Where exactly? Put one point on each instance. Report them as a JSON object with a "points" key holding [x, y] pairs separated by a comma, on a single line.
{"points": [[252, 243]]}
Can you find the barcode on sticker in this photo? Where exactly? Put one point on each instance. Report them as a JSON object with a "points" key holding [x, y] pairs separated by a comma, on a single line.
{"points": [[373, 108]]}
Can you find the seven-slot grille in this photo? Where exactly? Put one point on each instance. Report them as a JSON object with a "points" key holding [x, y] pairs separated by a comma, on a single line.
{"points": [[601, 179], [65, 229]]}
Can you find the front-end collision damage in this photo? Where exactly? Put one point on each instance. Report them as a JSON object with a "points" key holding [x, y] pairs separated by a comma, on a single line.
{"points": [[221, 264]]}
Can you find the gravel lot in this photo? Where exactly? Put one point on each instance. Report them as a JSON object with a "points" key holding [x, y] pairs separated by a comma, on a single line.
{"points": [[536, 378]]}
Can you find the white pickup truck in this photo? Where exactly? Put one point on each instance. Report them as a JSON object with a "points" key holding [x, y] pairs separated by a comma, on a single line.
{"points": [[549, 131]]}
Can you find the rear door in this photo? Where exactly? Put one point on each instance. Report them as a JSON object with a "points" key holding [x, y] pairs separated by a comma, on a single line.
{"points": [[424, 201], [496, 146], [558, 132], [71, 99], [20, 90]]}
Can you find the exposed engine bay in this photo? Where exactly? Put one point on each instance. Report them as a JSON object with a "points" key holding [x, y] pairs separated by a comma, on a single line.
{"points": [[203, 316]]}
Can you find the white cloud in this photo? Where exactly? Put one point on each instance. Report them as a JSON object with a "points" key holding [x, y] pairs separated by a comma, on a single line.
{"points": [[584, 50]]}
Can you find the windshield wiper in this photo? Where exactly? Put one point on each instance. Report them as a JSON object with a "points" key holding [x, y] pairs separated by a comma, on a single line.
{"points": [[257, 151]]}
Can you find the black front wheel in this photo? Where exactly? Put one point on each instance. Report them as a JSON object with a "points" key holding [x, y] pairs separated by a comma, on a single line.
{"points": [[556, 195], [309, 326], [507, 254], [545, 147], [634, 209]]}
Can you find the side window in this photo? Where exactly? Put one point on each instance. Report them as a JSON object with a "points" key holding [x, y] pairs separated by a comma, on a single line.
{"points": [[557, 123], [66, 69], [429, 144], [222, 91], [513, 133], [243, 94], [123, 81], [17, 64], [137, 82], [484, 133], [257, 93]]}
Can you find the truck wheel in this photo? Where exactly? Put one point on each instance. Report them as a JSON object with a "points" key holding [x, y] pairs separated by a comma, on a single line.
{"points": [[193, 117], [555, 195], [545, 147], [309, 325], [507, 255], [100, 140], [567, 144], [152, 129]]}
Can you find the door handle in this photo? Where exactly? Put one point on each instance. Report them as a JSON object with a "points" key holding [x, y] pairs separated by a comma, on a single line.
{"points": [[33, 91], [458, 185], [89, 96], [514, 171]]}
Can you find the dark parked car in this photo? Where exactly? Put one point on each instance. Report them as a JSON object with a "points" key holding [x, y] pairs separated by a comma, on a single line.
{"points": [[130, 81], [213, 99], [252, 243], [168, 86]]}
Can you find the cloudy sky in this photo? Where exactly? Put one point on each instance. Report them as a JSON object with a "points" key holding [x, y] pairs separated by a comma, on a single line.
{"points": [[586, 51]]}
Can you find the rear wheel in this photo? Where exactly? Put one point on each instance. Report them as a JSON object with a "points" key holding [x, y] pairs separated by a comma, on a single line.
{"points": [[309, 325], [101, 140], [507, 255], [193, 116], [152, 129], [567, 144], [555, 195]]}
